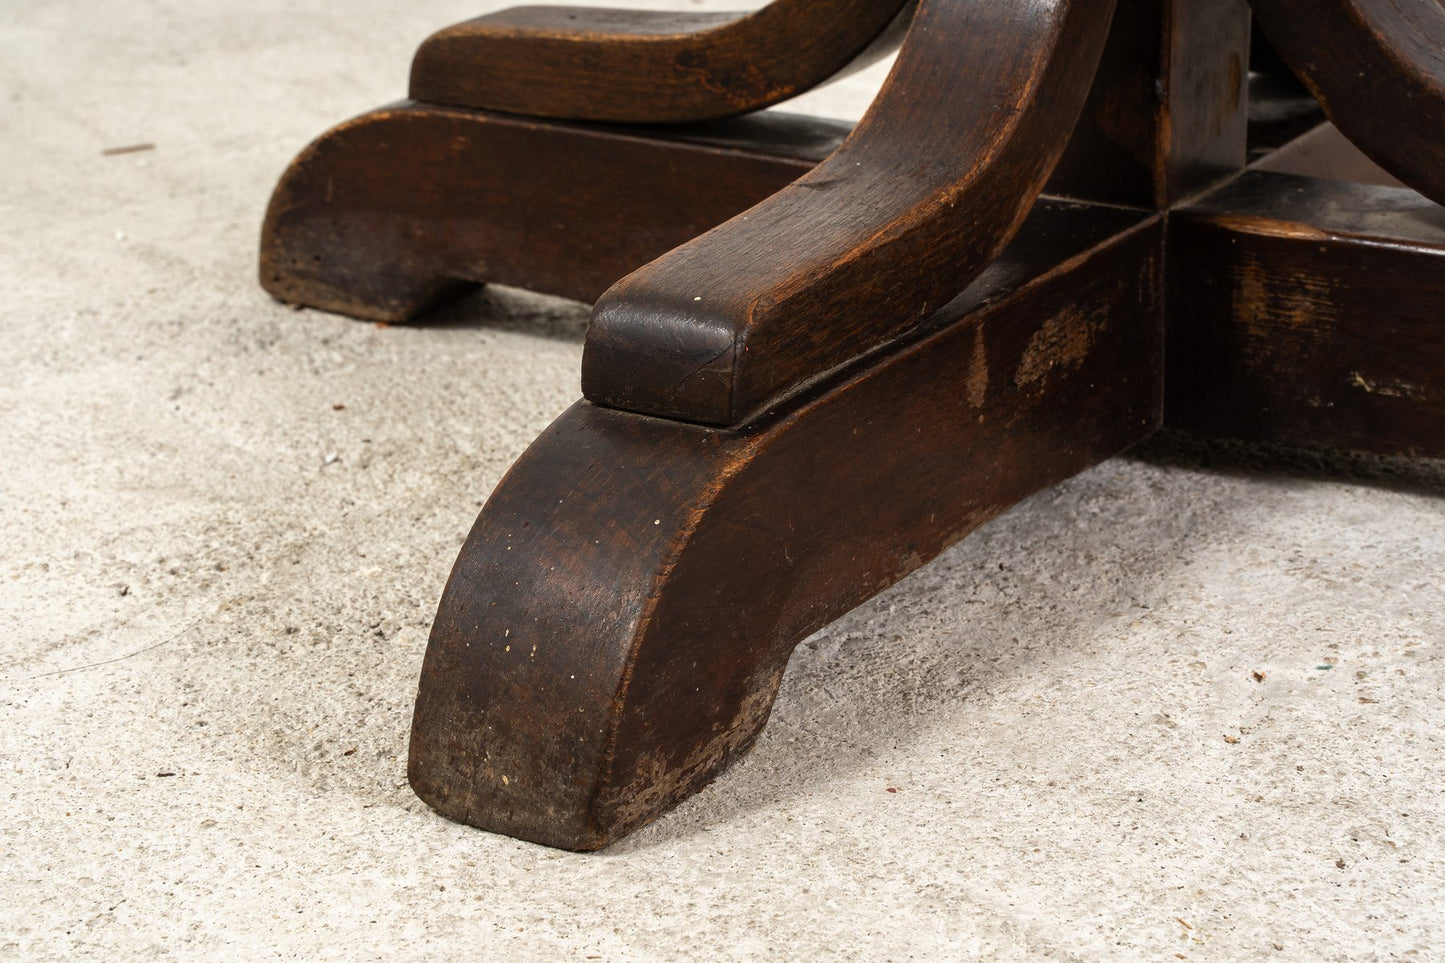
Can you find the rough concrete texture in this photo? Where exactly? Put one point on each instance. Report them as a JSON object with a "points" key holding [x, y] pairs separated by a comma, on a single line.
{"points": [[1186, 705]]}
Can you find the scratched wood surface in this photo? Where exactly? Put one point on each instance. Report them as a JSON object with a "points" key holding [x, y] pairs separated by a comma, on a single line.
{"points": [[1311, 312]]}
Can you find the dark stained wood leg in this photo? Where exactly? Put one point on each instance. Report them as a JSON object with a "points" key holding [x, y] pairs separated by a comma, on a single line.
{"points": [[1378, 69], [618, 621], [389, 213]]}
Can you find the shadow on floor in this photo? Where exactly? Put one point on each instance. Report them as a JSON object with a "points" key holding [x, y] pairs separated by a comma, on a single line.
{"points": [[1170, 448], [497, 308]]}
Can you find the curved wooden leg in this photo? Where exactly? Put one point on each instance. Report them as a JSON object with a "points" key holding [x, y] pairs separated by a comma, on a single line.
{"points": [[651, 66], [616, 626], [1378, 69], [407, 205]]}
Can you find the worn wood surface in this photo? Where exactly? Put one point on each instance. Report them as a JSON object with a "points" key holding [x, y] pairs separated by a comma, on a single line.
{"points": [[646, 66], [920, 197], [616, 626], [1378, 69], [405, 206], [1310, 312]]}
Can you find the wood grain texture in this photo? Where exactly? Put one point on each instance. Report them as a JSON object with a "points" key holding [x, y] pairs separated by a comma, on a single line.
{"points": [[922, 195], [641, 66], [1310, 312], [1378, 69], [406, 206], [618, 621], [617, 624]]}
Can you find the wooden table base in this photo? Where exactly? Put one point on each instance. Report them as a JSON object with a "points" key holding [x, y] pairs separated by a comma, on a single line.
{"points": [[881, 339]]}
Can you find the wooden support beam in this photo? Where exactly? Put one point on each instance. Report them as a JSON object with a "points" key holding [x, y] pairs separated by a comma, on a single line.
{"points": [[1309, 312], [1168, 111]]}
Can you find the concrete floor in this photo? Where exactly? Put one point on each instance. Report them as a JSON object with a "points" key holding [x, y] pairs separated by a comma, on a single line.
{"points": [[1186, 705]]}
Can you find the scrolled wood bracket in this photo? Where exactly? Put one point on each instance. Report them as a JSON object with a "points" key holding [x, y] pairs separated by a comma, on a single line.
{"points": [[617, 623], [925, 192]]}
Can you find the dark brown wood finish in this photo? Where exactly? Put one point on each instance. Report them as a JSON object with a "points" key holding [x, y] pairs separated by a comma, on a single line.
{"points": [[1167, 114], [921, 196], [1378, 68], [617, 624], [449, 198], [1310, 312], [644, 66]]}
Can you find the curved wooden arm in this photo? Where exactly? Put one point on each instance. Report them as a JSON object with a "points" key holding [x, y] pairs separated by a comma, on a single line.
{"points": [[641, 66], [1378, 69], [926, 191]]}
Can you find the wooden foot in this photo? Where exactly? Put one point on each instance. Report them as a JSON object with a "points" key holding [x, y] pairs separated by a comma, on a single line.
{"points": [[403, 207], [617, 623]]}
